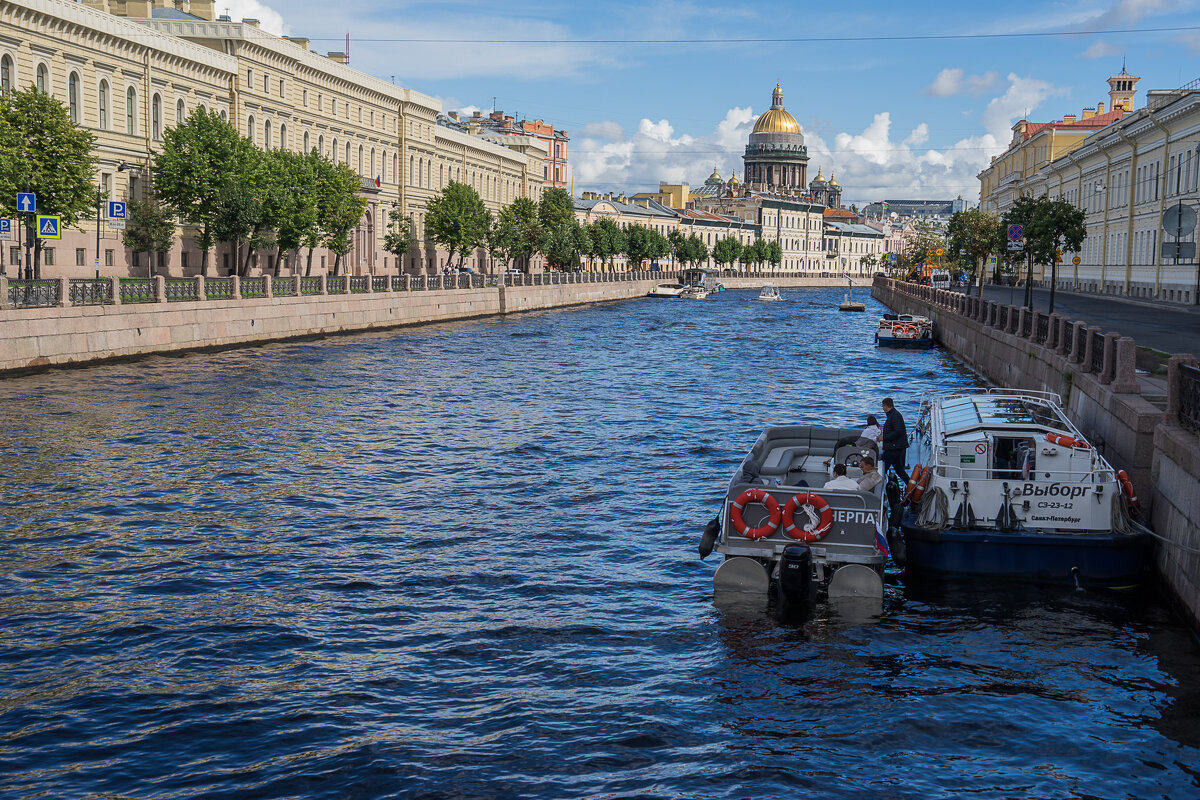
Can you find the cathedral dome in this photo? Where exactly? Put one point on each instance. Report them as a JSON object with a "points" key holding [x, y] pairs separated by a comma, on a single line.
{"points": [[776, 119]]}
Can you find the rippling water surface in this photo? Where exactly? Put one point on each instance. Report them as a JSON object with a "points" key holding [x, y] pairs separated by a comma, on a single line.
{"points": [[459, 561]]}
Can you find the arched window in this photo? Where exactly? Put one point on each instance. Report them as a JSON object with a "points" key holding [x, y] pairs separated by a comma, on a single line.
{"points": [[360, 160], [306, 147], [130, 107], [6, 73], [396, 168], [372, 171], [250, 129], [283, 143], [348, 162], [180, 112], [156, 117], [333, 153], [43, 79], [321, 144], [411, 161], [102, 102], [267, 135], [73, 96]]}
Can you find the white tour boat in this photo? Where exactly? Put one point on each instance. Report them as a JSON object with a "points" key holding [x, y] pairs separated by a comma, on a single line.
{"points": [[905, 330]]}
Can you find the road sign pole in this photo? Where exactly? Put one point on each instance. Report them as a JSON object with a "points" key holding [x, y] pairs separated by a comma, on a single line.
{"points": [[97, 230]]}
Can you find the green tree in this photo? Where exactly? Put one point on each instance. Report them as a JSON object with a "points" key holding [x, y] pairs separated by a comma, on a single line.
{"points": [[1057, 225], [920, 245], [557, 207], [727, 250], [608, 240], [399, 238], [458, 220], [296, 219], [644, 244], [239, 217], [774, 253], [564, 244], [755, 253], [149, 229], [521, 230], [201, 159], [44, 152], [979, 234], [340, 207], [678, 242], [697, 250]]}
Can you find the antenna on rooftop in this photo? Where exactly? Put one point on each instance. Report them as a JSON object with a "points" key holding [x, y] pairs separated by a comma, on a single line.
{"points": [[347, 47]]}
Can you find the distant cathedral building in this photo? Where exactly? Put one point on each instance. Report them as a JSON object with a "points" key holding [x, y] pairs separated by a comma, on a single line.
{"points": [[776, 158]]}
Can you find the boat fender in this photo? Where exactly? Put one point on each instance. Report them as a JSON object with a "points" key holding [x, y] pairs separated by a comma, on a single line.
{"points": [[711, 530], [1131, 498], [914, 478], [754, 496], [820, 527]]}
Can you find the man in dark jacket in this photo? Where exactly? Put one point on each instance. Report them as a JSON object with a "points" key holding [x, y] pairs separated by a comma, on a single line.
{"points": [[895, 442]]}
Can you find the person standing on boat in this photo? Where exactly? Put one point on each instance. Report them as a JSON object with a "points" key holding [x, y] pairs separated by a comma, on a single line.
{"points": [[894, 440], [871, 433]]}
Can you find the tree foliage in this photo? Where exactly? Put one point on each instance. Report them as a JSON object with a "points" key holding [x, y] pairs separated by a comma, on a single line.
{"points": [[458, 220], [727, 250], [149, 228], [644, 244], [557, 207], [44, 152], [400, 237], [608, 240], [563, 245], [516, 234], [919, 245], [1050, 226], [340, 207], [980, 234]]}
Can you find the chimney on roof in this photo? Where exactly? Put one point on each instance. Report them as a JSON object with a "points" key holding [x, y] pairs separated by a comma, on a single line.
{"points": [[477, 114], [138, 8], [205, 9], [1099, 109], [298, 40], [338, 57], [1069, 118], [452, 115], [1088, 113]]}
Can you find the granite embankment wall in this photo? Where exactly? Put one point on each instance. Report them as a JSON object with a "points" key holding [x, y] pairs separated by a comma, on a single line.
{"points": [[1095, 374], [63, 322]]}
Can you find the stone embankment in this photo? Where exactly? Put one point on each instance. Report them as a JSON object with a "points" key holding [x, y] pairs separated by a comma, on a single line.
{"points": [[70, 321], [1095, 372]]}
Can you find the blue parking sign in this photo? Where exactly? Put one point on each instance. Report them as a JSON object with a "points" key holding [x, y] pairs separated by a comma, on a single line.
{"points": [[116, 210], [5, 226]]}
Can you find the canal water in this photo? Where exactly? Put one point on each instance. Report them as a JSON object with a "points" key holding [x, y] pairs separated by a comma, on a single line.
{"points": [[459, 561]]}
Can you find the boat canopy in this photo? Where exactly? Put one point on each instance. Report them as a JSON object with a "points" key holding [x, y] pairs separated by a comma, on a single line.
{"points": [[967, 413]]}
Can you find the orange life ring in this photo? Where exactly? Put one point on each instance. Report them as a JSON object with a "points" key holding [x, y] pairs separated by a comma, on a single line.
{"points": [[824, 525], [1067, 441], [906, 331], [922, 484], [755, 496], [1131, 498], [914, 478]]}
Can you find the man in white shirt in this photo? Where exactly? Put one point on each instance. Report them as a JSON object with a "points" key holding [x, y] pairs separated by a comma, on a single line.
{"points": [[870, 477], [841, 480]]}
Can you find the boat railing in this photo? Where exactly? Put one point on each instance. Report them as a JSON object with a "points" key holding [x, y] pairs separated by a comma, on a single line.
{"points": [[1100, 474]]}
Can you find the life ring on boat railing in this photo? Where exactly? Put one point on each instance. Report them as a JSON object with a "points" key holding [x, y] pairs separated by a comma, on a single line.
{"points": [[918, 482], [755, 496], [1067, 441], [914, 478], [905, 331], [824, 524], [1131, 498]]}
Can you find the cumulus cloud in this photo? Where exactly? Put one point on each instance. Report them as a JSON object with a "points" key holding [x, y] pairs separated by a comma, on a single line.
{"points": [[608, 131], [1100, 49], [871, 164], [269, 19], [952, 81]]}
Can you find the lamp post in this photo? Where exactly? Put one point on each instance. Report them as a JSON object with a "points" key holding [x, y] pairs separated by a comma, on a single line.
{"points": [[98, 201], [149, 255]]}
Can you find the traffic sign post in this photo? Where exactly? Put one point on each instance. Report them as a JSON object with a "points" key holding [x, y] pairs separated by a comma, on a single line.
{"points": [[26, 202], [1016, 232], [116, 209], [49, 226], [6, 233]]}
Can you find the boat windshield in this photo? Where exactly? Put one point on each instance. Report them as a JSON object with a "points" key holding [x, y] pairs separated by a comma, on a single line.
{"points": [[989, 411]]}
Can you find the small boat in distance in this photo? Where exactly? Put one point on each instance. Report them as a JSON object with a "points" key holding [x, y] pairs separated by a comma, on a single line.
{"points": [[905, 330], [696, 292], [848, 304], [1006, 487], [769, 293], [667, 291]]}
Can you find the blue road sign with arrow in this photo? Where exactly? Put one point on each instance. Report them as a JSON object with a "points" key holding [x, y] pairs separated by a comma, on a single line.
{"points": [[116, 210], [27, 202]]}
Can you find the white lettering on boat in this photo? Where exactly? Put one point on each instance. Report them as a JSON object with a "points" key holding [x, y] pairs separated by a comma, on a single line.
{"points": [[856, 517], [1063, 490]]}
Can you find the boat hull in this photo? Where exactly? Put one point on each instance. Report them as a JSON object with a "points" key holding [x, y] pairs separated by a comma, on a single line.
{"points": [[906, 344], [1094, 560]]}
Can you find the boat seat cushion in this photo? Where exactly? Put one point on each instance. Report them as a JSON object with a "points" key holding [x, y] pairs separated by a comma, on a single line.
{"points": [[780, 459]]}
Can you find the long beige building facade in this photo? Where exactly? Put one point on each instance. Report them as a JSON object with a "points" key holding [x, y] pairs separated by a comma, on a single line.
{"points": [[127, 70]]}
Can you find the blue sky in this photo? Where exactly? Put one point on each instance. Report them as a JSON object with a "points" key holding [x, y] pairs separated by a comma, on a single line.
{"points": [[892, 118]]}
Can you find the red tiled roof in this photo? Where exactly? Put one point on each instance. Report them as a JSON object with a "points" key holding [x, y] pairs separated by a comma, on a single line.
{"points": [[1091, 123], [839, 213]]}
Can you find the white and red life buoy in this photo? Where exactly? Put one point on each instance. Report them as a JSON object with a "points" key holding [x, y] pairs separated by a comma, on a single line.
{"points": [[755, 496], [820, 506], [1067, 441], [1131, 498]]}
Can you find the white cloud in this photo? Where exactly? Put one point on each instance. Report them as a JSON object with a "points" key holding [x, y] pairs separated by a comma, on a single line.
{"points": [[269, 19], [1125, 12], [607, 130], [1100, 49], [952, 80]]}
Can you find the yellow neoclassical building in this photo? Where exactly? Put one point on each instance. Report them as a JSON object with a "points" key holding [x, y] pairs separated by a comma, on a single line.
{"points": [[130, 69]]}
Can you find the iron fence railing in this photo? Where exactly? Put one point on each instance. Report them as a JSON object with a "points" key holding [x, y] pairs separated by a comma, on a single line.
{"points": [[1027, 326], [1002, 318], [1097, 351], [89, 291], [359, 284], [33, 293], [1189, 397], [379, 283], [222, 288], [417, 283], [252, 287], [180, 290], [137, 290], [285, 287], [1042, 335], [310, 286], [1080, 345]]}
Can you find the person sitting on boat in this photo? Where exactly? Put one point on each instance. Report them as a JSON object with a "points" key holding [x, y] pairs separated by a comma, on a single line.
{"points": [[870, 476], [841, 480], [894, 439], [871, 433]]}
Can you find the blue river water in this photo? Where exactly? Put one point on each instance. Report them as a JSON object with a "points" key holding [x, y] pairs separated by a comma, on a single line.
{"points": [[459, 561]]}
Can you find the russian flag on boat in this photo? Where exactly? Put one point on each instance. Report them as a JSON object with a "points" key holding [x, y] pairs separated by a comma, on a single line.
{"points": [[881, 541]]}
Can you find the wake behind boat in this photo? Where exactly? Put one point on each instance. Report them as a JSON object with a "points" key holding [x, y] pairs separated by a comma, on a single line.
{"points": [[1006, 486]]}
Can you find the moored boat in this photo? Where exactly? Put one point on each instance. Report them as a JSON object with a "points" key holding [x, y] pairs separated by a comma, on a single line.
{"points": [[769, 294], [1005, 486], [668, 291], [904, 330], [696, 292], [778, 529]]}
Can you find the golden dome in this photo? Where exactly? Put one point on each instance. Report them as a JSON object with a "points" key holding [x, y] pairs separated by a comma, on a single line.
{"points": [[832, 180], [819, 177], [733, 181], [776, 119], [715, 176]]}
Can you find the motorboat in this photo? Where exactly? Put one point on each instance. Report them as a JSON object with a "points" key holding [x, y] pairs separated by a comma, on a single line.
{"points": [[668, 291], [904, 330], [1005, 486], [778, 529], [769, 293], [694, 292]]}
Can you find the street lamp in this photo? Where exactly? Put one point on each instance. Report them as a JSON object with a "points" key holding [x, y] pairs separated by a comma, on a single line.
{"points": [[149, 255]]}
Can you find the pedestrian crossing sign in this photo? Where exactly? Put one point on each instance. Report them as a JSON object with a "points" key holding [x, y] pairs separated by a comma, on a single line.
{"points": [[49, 227]]}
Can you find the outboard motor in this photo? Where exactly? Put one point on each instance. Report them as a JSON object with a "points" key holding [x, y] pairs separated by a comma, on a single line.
{"points": [[797, 589]]}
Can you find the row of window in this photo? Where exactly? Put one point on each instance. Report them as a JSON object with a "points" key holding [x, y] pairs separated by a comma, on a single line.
{"points": [[333, 106]]}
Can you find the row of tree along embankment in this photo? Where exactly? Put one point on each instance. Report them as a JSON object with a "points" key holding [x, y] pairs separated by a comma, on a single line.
{"points": [[73, 321], [1095, 374]]}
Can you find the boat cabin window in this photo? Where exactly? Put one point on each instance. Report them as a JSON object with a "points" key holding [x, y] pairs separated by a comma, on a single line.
{"points": [[1014, 457]]}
